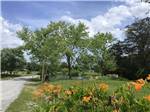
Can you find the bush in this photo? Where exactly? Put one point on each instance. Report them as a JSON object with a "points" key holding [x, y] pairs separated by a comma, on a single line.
{"points": [[88, 74], [74, 73]]}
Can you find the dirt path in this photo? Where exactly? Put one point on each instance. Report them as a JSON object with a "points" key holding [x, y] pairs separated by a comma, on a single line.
{"points": [[10, 89]]}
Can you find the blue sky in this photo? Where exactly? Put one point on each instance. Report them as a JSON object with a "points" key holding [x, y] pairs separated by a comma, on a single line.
{"points": [[27, 12], [98, 16]]}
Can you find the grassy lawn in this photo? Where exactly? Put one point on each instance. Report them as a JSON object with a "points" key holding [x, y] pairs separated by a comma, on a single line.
{"points": [[20, 104]]}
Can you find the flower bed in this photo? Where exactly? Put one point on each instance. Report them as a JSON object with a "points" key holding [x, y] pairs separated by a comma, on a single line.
{"points": [[54, 98]]}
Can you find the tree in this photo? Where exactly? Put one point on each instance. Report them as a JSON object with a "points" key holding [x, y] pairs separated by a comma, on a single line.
{"points": [[12, 59], [73, 38], [43, 44], [32, 66], [99, 47], [133, 54], [138, 40], [85, 62]]}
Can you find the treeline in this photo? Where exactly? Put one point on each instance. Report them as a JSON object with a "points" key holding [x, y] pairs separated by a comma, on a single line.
{"points": [[65, 47]]}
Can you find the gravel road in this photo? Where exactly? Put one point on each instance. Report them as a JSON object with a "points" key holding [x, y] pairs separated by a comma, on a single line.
{"points": [[10, 89]]}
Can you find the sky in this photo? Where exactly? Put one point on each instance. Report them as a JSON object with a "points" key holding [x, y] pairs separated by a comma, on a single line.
{"points": [[99, 16]]}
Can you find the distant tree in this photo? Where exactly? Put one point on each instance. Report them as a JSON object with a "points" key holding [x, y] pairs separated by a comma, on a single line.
{"points": [[32, 66], [85, 62], [12, 59]]}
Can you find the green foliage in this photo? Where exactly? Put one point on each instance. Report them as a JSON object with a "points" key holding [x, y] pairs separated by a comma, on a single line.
{"points": [[44, 46], [32, 66], [99, 47], [75, 73], [133, 54], [74, 36], [70, 43], [12, 59]]}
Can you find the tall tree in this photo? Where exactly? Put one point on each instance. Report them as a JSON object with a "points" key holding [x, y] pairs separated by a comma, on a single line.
{"points": [[138, 40], [74, 35], [99, 47], [133, 54], [43, 44]]}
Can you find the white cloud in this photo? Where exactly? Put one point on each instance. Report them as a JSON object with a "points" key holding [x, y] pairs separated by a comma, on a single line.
{"points": [[115, 17], [9, 38]]}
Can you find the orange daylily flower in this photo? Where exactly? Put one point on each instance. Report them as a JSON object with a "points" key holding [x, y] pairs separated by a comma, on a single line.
{"points": [[86, 99], [38, 93], [57, 89], [140, 81], [68, 92], [104, 87], [116, 110], [137, 86], [47, 88], [147, 97], [148, 77]]}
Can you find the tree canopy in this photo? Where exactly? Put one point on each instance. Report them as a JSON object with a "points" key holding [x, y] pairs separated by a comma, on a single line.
{"points": [[133, 54], [62, 41]]}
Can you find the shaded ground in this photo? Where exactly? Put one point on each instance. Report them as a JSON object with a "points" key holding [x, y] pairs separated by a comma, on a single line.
{"points": [[10, 89]]}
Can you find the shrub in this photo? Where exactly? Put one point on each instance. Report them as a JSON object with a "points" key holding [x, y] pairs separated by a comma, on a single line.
{"points": [[74, 73]]}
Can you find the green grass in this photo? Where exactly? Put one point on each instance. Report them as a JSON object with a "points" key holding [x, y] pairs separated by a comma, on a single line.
{"points": [[20, 104]]}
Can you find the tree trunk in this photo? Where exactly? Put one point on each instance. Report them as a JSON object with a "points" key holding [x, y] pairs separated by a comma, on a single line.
{"points": [[10, 72], [43, 72], [69, 66], [46, 78]]}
